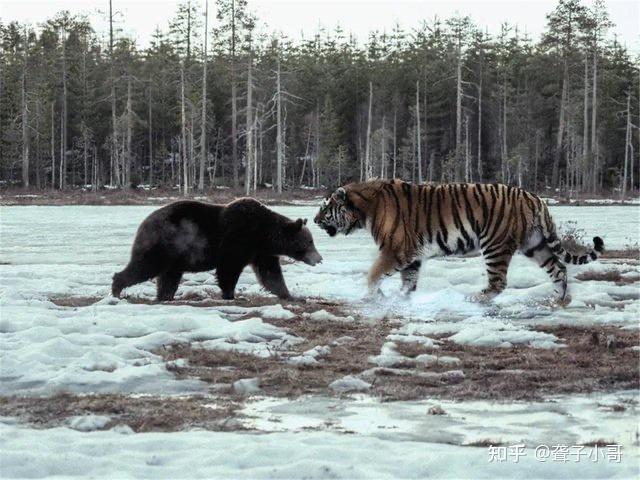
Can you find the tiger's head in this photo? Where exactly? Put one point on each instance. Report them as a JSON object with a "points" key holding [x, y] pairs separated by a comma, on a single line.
{"points": [[338, 214]]}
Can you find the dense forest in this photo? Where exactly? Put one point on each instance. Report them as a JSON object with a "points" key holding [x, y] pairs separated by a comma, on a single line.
{"points": [[202, 108]]}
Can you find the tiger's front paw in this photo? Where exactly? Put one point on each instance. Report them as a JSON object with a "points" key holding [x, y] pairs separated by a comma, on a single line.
{"points": [[561, 301], [486, 295], [375, 295]]}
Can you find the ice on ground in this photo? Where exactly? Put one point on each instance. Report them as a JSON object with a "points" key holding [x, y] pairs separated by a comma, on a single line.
{"points": [[268, 312], [102, 348], [561, 419], [88, 423], [349, 384], [246, 386], [315, 454], [323, 315], [311, 356]]}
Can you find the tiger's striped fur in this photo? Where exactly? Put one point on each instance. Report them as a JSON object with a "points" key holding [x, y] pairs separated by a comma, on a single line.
{"points": [[410, 222]]}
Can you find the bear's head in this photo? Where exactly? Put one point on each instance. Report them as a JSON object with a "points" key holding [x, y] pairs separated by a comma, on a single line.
{"points": [[299, 244]]}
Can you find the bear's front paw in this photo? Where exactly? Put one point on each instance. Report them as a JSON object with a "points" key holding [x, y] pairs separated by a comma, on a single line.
{"points": [[228, 295]]}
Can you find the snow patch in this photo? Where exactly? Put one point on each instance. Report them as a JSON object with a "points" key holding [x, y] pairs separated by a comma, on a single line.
{"points": [[88, 423], [349, 384]]}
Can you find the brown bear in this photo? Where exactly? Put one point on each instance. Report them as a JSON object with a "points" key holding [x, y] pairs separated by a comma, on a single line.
{"points": [[190, 236]]}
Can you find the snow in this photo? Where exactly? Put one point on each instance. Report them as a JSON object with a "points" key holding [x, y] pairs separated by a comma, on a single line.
{"points": [[112, 347], [311, 356], [246, 386], [349, 384], [324, 316], [87, 423], [200, 454]]}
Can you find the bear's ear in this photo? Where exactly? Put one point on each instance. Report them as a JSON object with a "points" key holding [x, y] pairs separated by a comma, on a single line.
{"points": [[341, 194], [295, 226], [304, 221]]}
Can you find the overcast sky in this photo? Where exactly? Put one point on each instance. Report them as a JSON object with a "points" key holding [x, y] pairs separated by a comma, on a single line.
{"points": [[295, 17]]}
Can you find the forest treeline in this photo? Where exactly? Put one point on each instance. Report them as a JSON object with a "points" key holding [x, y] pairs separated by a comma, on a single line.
{"points": [[235, 106]]}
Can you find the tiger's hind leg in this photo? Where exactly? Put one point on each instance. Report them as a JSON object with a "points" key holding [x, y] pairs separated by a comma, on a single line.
{"points": [[538, 250], [409, 276], [497, 260]]}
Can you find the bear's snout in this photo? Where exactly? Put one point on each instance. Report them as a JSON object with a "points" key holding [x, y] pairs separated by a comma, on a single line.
{"points": [[312, 258]]}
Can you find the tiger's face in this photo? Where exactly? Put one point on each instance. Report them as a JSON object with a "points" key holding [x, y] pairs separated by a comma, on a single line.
{"points": [[337, 214]]}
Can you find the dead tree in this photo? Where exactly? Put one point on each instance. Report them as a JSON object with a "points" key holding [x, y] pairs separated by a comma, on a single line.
{"points": [[367, 154], [203, 122], [25, 117]]}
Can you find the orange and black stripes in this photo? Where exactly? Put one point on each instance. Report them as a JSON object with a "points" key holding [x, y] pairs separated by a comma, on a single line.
{"points": [[410, 221]]}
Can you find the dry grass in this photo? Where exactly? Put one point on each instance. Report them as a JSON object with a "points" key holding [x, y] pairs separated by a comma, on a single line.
{"points": [[631, 253], [594, 359], [608, 276], [142, 414], [277, 377]]}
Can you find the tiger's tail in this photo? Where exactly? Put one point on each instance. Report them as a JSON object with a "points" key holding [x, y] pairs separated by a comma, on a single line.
{"points": [[568, 257], [553, 242]]}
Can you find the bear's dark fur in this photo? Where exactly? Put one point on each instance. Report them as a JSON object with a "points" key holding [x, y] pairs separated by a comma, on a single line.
{"points": [[190, 236]]}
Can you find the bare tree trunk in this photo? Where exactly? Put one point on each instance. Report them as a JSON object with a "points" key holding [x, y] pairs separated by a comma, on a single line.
{"points": [[458, 113], [85, 152], [360, 153], [65, 115], [150, 134], [183, 122], [480, 169], [467, 156], [192, 156], [585, 123], [127, 167], [627, 141], [317, 153], [53, 146], [25, 118], [306, 154], [38, 159], [249, 140], [505, 151], [256, 137], [418, 133], [234, 107], [114, 140], [367, 154], [395, 139], [94, 181], [279, 142], [203, 123], [594, 110], [383, 150], [561, 127], [62, 153], [537, 156]]}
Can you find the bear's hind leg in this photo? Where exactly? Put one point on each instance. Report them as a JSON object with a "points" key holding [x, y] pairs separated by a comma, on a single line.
{"points": [[167, 284], [228, 275], [269, 274]]}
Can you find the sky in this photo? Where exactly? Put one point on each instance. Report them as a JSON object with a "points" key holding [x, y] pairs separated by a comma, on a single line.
{"points": [[296, 18]]}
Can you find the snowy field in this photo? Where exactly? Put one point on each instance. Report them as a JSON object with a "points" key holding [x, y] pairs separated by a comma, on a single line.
{"points": [[110, 347]]}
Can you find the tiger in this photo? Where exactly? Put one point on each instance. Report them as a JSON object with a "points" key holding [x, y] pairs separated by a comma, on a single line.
{"points": [[412, 222]]}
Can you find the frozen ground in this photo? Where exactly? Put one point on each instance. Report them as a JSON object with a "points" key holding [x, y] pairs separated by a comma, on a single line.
{"points": [[107, 347]]}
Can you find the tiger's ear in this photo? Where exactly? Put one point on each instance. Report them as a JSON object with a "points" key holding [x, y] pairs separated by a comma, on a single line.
{"points": [[341, 194]]}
